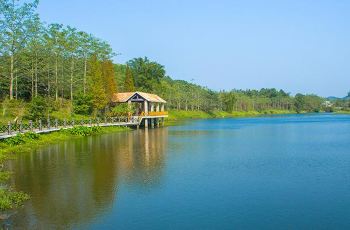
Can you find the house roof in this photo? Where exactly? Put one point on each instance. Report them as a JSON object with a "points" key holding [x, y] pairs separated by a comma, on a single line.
{"points": [[124, 97]]}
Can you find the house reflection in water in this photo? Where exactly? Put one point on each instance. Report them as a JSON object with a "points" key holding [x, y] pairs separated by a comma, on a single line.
{"points": [[73, 182]]}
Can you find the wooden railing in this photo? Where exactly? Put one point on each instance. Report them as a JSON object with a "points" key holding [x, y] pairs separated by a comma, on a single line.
{"points": [[49, 124], [159, 113]]}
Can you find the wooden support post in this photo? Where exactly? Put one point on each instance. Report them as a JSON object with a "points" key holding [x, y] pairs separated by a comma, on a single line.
{"points": [[56, 123], [40, 125], [146, 113], [73, 122], [64, 123], [31, 125], [48, 124], [9, 132], [90, 122]]}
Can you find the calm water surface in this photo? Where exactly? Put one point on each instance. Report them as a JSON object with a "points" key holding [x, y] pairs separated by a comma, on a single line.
{"points": [[287, 172]]}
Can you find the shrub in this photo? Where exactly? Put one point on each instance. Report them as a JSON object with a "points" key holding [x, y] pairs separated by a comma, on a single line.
{"points": [[21, 138], [37, 108], [84, 131], [16, 140], [10, 199], [83, 104], [122, 110], [13, 108], [5, 176], [32, 136]]}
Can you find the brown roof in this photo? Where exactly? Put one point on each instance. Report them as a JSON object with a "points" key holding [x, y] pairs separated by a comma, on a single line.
{"points": [[124, 97]]}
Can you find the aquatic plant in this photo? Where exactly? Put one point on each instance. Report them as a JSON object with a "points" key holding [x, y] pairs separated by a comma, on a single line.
{"points": [[84, 131], [10, 199], [21, 138]]}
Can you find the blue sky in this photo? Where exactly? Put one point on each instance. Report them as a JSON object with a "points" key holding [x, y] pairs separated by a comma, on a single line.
{"points": [[300, 46]]}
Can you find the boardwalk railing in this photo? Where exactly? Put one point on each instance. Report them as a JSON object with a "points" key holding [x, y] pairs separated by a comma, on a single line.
{"points": [[52, 125], [154, 113]]}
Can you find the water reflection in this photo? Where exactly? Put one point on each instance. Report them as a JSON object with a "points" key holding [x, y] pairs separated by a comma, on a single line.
{"points": [[73, 182]]}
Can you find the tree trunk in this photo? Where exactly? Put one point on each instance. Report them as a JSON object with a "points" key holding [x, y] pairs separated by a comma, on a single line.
{"points": [[32, 79], [56, 78], [16, 77], [11, 76], [36, 74], [71, 79], [85, 70], [48, 80]]}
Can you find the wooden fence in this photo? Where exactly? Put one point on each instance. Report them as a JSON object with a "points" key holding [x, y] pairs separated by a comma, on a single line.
{"points": [[52, 125]]}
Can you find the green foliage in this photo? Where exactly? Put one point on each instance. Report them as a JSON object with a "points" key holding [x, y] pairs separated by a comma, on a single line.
{"points": [[121, 110], [16, 140], [84, 131], [5, 176], [129, 80], [308, 103], [31, 136], [83, 104], [13, 108], [38, 108], [10, 199], [299, 102], [147, 74], [108, 75], [96, 85], [21, 138]]}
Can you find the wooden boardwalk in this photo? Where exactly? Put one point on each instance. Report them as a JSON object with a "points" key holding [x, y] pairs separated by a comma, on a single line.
{"points": [[11, 130]]}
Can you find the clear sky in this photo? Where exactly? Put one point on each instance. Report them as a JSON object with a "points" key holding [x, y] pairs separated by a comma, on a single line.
{"points": [[300, 46]]}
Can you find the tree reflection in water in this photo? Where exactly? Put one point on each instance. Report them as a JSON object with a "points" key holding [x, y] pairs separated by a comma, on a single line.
{"points": [[75, 181]]}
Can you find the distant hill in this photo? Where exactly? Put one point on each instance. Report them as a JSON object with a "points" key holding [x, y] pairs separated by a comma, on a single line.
{"points": [[332, 98]]}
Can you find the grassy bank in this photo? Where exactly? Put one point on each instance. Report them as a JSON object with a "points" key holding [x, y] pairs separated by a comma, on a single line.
{"points": [[342, 112], [9, 148], [180, 115]]}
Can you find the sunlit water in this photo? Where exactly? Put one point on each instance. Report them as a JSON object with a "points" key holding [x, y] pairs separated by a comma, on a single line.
{"points": [[287, 172]]}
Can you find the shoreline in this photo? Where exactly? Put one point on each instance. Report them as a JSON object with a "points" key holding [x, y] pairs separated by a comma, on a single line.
{"points": [[181, 115], [11, 199]]}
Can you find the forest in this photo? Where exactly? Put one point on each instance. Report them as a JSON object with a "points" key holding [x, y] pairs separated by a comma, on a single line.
{"points": [[59, 71]]}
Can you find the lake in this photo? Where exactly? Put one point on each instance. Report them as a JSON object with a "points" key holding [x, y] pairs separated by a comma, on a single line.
{"points": [[281, 172]]}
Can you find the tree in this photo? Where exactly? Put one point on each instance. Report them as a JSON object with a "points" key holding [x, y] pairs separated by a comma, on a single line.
{"points": [[147, 74], [129, 80], [38, 108], [15, 19], [109, 79], [299, 102], [96, 85], [72, 48], [83, 104], [34, 48], [86, 41], [54, 38]]}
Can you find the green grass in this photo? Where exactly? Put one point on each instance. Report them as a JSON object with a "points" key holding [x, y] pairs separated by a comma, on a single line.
{"points": [[343, 112], [180, 115], [22, 143]]}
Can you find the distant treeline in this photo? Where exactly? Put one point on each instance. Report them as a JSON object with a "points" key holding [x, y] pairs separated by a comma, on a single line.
{"points": [[58, 67], [181, 95]]}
